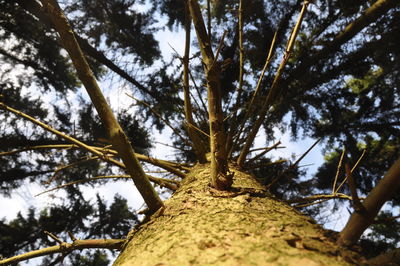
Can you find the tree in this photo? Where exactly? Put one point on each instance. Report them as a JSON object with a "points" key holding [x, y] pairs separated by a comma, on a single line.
{"points": [[230, 202]]}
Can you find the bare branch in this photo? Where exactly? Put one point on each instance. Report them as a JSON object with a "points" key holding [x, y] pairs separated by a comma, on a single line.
{"points": [[162, 182], [197, 143], [167, 165], [267, 61], [358, 207], [60, 134], [319, 197], [292, 166], [221, 178], [338, 171], [162, 118], [251, 105], [265, 150], [241, 48], [34, 8], [375, 11], [117, 136], [65, 247], [352, 169], [383, 191], [273, 92]]}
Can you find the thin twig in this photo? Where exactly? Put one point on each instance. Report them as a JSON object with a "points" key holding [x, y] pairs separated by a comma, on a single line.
{"points": [[241, 49], [321, 196], [263, 164], [267, 61], [162, 119], [352, 169], [167, 165], [337, 171], [274, 90], [38, 147], [59, 241], [62, 135], [292, 166], [61, 168], [198, 109], [73, 238], [209, 20], [159, 181], [311, 203], [170, 146], [221, 43], [204, 106], [306, 165], [198, 129], [266, 150], [304, 154]]}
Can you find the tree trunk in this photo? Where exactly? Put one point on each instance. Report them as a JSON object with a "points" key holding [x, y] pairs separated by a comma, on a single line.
{"points": [[245, 226]]}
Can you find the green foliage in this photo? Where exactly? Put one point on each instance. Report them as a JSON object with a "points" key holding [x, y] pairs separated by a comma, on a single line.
{"points": [[117, 25], [29, 44], [358, 86]]}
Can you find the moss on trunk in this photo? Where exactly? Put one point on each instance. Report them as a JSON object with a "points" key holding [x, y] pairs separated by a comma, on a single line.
{"points": [[246, 226]]}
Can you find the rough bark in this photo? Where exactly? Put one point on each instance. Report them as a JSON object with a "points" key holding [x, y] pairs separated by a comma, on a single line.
{"points": [[246, 226]]}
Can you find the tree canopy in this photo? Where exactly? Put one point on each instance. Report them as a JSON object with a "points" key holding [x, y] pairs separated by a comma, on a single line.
{"points": [[327, 70]]}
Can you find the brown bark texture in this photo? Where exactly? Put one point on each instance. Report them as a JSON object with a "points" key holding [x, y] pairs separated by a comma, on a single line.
{"points": [[246, 226]]}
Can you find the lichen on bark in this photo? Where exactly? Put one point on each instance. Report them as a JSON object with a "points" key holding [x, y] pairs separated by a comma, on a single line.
{"points": [[245, 226]]}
